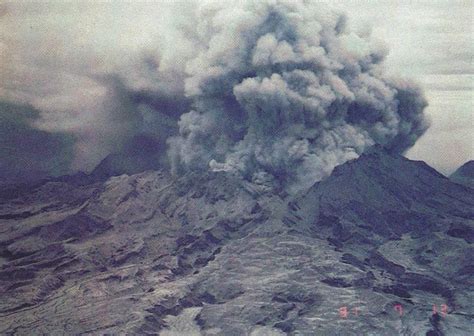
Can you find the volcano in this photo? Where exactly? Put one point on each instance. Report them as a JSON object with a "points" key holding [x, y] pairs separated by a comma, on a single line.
{"points": [[382, 246]]}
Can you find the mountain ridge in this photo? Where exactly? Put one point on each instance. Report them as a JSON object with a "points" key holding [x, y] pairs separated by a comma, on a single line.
{"points": [[464, 175], [214, 254]]}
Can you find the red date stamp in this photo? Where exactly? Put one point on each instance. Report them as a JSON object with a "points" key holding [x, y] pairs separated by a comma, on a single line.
{"points": [[345, 312]]}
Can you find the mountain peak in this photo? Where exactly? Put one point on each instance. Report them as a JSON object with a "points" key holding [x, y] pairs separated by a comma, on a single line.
{"points": [[379, 162], [464, 175], [382, 182]]}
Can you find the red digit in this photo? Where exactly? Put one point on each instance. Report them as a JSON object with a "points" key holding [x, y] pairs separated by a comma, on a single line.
{"points": [[399, 309], [444, 310], [343, 312]]}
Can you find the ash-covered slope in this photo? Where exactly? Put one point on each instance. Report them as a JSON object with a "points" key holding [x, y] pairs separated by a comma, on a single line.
{"points": [[215, 255], [464, 175]]}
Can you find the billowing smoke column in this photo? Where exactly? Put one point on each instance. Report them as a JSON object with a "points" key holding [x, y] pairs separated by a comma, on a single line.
{"points": [[284, 89], [268, 89]]}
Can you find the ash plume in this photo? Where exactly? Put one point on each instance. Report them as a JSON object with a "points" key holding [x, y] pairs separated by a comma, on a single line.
{"points": [[285, 88], [278, 90]]}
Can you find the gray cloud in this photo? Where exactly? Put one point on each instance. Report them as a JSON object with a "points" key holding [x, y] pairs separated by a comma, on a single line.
{"points": [[286, 88], [283, 88], [90, 71], [26, 152]]}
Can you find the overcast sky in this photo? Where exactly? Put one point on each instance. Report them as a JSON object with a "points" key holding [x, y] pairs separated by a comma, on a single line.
{"points": [[54, 57], [432, 42]]}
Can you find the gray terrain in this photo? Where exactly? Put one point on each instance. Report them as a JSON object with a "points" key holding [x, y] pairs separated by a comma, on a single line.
{"points": [[150, 254], [464, 174]]}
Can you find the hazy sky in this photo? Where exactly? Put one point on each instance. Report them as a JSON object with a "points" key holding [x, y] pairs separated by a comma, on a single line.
{"points": [[432, 42], [60, 59]]}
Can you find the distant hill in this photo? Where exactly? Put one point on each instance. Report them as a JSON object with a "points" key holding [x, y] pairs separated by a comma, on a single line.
{"points": [[464, 174]]}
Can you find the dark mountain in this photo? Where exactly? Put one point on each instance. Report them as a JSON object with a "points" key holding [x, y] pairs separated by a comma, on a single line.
{"points": [[465, 174], [212, 254], [141, 154]]}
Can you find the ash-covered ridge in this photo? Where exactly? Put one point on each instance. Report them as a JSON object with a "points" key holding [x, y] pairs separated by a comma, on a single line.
{"points": [[213, 254], [464, 175]]}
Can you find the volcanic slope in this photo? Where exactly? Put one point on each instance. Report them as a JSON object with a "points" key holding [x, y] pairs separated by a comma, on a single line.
{"points": [[464, 174], [215, 255]]}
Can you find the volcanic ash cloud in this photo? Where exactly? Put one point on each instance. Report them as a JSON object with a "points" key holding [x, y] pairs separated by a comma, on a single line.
{"points": [[278, 90], [286, 89]]}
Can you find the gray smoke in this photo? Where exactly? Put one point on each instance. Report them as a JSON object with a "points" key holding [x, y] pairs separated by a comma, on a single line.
{"points": [[100, 77], [265, 89], [285, 88]]}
